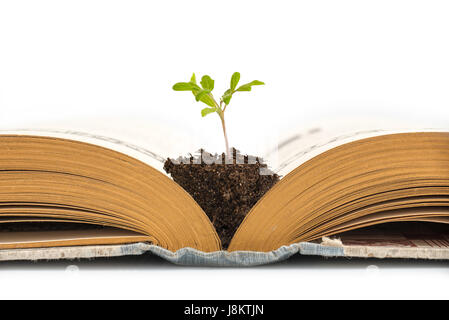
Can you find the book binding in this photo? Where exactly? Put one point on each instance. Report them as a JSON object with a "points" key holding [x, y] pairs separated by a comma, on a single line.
{"points": [[192, 257]]}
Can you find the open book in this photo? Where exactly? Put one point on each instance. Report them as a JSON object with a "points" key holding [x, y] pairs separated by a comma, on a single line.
{"points": [[63, 189]]}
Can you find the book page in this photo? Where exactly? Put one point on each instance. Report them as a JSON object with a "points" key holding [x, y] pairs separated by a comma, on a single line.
{"points": [[42, 239], [297, 146], [151, 142]]}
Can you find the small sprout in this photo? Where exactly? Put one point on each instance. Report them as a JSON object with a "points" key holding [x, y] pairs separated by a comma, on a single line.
{"points": [[204, 94]]}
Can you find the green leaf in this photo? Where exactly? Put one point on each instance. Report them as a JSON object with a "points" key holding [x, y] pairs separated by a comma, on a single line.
{"points": [[207, 83], [205, 98], [235, 80], [193, 79], [200, 94], [206, 111], [227, 96], [247, 86], [184, 86]]}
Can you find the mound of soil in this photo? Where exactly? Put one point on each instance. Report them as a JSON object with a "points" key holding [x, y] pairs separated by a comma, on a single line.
{"points": [[226, 189]]}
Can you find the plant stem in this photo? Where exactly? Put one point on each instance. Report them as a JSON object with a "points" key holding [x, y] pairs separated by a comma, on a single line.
{"points": [[221, 114]]}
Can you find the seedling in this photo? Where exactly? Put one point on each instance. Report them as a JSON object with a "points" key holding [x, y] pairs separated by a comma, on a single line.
{"points": [[204, 94]]}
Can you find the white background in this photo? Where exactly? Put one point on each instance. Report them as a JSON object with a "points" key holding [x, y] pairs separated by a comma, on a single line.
{"points": [[113, 63]]}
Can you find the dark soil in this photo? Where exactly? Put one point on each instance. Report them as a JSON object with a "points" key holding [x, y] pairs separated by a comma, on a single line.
{"points": [[226, 191]]}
